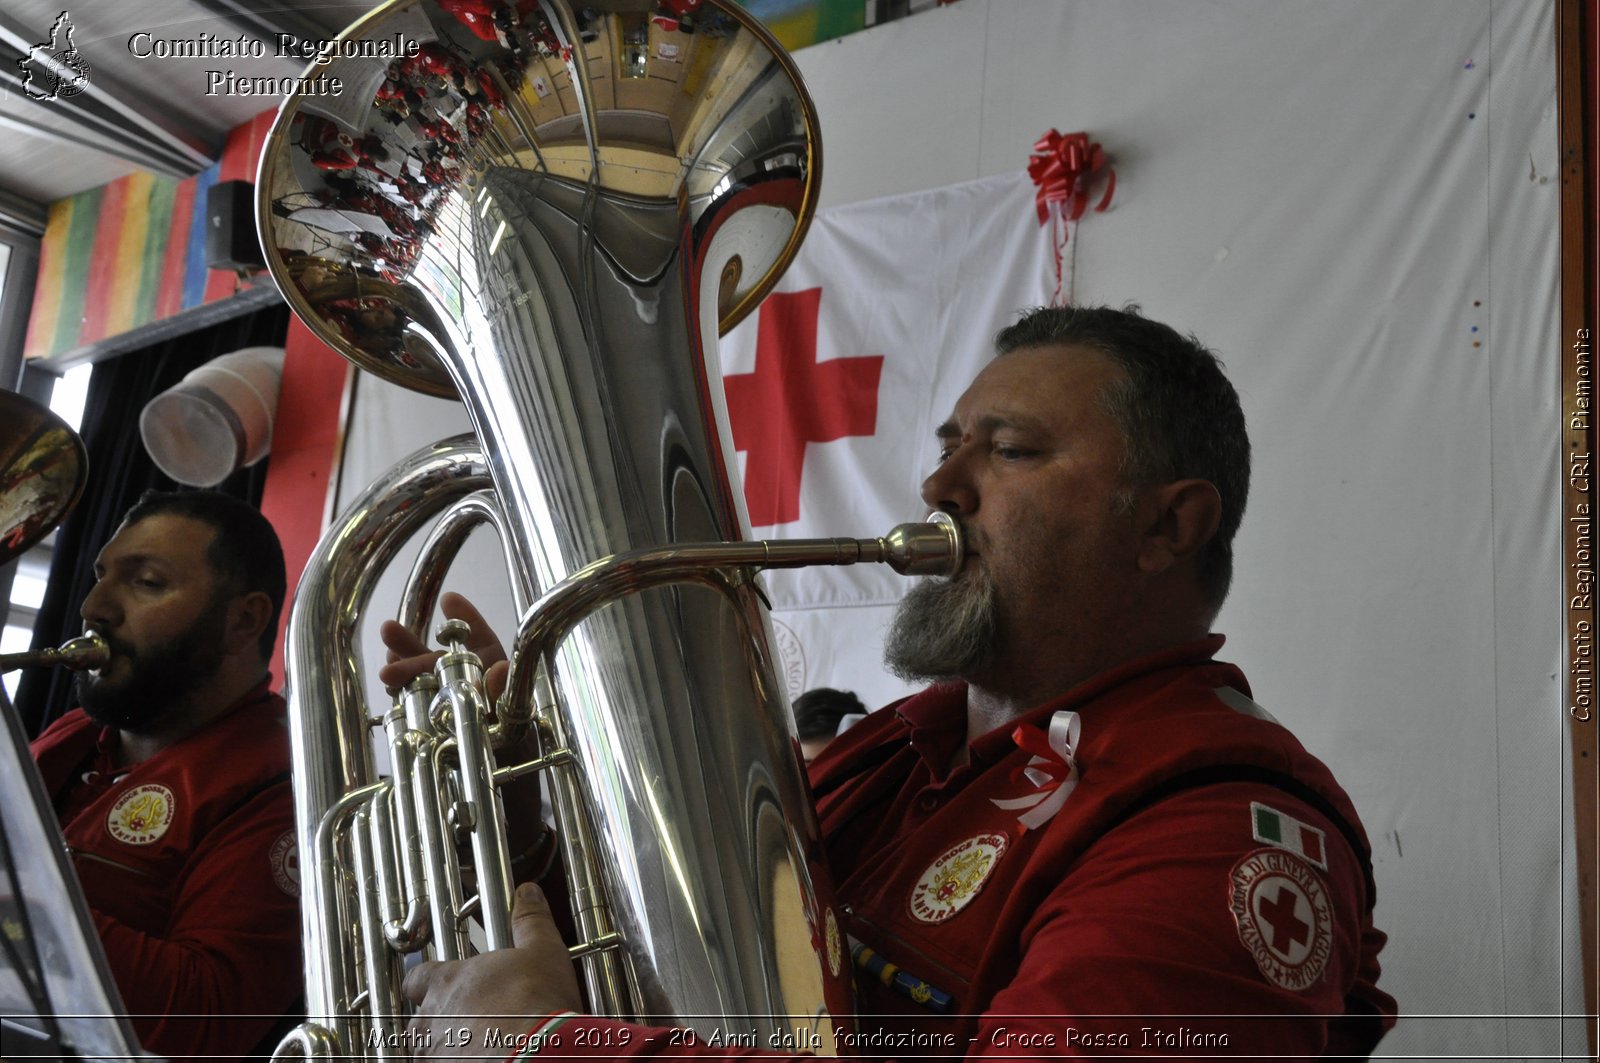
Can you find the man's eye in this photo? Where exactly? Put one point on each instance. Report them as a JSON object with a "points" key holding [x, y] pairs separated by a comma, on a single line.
{"points": [[1007, 452]]}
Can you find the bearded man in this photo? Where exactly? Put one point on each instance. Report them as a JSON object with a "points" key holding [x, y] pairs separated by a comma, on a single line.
{"points": [[1084, 838], [172, 785]]}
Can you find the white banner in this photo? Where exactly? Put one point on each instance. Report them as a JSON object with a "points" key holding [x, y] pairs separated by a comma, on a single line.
{"points": [[836, 383]]}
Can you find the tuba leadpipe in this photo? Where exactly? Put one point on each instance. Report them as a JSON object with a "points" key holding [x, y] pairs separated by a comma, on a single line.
{"points": [[83, 653]]}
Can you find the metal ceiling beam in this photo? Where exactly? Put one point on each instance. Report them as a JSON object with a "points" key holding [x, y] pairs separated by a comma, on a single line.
{"points": [[265, 26], [93, 141], [23, 215], [85, 127], [134, 123]]}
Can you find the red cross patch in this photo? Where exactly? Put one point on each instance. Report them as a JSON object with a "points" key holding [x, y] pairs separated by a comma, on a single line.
{"points": [[1284, 916]]}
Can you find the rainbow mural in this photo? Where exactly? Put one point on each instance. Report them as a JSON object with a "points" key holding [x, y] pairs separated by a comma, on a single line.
{"points": [[800, 23], [132, 252]]}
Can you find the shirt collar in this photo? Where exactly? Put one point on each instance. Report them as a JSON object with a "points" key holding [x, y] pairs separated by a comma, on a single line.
{"points": [[937, 717]]}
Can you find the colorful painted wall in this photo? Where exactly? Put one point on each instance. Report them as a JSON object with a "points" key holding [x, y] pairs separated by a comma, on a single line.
{"points": [[799, 23], [132, 252]]}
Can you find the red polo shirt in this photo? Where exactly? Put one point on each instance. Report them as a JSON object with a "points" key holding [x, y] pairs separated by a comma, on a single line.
{"points": [[1187, 881], [188, 864]]}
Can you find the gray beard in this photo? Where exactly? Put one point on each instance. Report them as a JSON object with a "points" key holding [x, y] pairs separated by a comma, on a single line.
{"points": [[944, 629]]}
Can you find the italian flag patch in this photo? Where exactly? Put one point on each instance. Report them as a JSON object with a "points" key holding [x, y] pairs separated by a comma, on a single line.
{"points": [[1276, 828]]}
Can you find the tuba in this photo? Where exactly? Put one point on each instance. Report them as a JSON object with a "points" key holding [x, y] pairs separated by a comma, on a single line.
{"points": [[551, 210]]}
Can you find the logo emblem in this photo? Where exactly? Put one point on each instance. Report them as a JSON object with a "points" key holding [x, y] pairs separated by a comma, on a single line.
{"points": [[791, 657], [835, 943], [955, 878], [142, 815], [1284, 916], [54, 69], [285, 860]]}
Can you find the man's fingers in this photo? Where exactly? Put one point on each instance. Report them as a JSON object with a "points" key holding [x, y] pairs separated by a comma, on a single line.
{"points": [[484, 641], [420, 978], [398, 673], [530, 916], [409, 656], [400, 641], [494, 680]]}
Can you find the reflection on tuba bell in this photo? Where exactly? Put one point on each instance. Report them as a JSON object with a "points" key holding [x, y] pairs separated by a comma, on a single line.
{"points": [[552, 214]]}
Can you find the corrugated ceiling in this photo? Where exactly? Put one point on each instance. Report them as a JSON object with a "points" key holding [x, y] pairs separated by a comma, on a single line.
{"points": [[135, 111]]}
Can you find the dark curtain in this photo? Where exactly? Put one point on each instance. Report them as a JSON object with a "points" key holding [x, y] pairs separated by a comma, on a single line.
{"points": [[119, 472]]}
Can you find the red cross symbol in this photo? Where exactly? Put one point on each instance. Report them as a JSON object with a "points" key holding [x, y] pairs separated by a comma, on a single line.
{"points": [[1279, 915], [792, 399]]}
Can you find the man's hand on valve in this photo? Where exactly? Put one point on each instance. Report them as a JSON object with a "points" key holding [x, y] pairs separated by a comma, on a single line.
{"points": [[460, 1003], [410, 657]]}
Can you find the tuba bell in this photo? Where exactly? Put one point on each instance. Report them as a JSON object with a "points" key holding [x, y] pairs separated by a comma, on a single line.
{"points": [[552, 213]]}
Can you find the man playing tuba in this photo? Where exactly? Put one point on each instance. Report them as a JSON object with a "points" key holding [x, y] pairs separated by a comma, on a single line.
{"points": [[1083, 834]]}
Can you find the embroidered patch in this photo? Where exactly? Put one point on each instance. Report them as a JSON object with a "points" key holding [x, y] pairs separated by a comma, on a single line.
{"points": [[142, 815], [835, 944], [1283, 830], [1284, 916], [955, 878], [285, 860]]}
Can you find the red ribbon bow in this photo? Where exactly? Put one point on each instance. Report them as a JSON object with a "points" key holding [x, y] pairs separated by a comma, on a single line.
{"points": [[1050, 774], [1064, 168], [1045, 776]]}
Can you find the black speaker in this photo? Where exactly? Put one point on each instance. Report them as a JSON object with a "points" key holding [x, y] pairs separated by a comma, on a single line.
{"points": [[231, 227]]}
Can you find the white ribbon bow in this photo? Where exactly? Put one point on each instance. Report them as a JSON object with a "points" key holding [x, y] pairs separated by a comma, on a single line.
{"points": [[1054, 777]]}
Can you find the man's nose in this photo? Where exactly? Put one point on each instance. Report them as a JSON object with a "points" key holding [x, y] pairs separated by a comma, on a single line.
{"points": [[950, 487], [99, 609]]}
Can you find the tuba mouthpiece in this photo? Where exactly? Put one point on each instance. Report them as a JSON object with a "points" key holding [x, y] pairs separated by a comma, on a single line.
{"points": [[930, 549]]}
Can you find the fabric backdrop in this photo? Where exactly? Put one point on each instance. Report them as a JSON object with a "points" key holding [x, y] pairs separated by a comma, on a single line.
{"points": [[907, 291], [1356, 205]]}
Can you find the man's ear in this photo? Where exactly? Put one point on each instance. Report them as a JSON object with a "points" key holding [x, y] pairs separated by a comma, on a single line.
{"points": [[248, 616], [1180, 518]]}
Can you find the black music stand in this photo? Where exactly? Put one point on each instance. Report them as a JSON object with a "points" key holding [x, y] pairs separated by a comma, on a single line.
{"points": [[57, 999]]}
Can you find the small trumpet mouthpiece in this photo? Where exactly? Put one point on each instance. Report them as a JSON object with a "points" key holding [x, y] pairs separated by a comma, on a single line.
{"points": [[80, 654]]}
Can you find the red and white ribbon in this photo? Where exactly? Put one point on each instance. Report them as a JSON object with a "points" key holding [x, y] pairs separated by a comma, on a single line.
{"points": [[1052, 773], [1066, 167]]}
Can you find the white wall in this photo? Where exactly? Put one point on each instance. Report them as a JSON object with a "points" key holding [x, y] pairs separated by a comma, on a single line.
{"points": [[1355, 203]]}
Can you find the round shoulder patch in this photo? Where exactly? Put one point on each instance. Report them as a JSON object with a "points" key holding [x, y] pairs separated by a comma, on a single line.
{"points": [[950, 882], [835, 943], [285, 860], [142, 815], [1284, 916]]}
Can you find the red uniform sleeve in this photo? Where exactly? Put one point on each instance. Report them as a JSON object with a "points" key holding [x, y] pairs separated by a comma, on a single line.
{"points": [[228, 968], [1177, 935]]}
